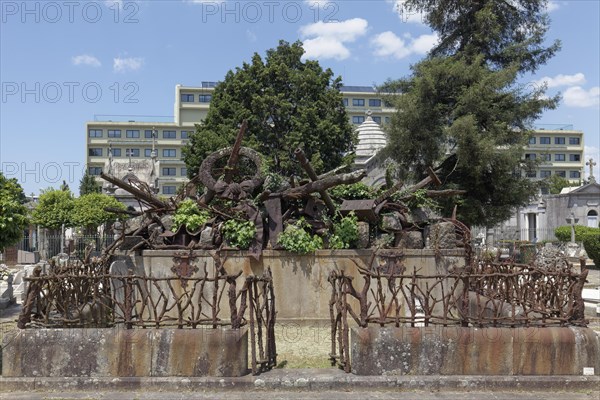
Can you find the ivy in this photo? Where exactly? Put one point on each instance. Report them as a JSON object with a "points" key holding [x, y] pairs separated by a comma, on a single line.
{"points": [[190, 215], [345, 233], [296, 239], [239, 233], [355, 191]]}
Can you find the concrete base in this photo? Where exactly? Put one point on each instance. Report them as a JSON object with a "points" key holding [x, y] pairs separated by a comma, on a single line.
{"points": [[126, 353], [455, 350]]}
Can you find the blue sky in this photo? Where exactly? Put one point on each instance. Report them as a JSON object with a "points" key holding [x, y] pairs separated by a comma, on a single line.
{"points": [[62, 62]]}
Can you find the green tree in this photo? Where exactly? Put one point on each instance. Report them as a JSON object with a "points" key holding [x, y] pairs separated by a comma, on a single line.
{"points": [[556, 183], [288, 103], [462, 109], [89, 210], [13, 213], [88, 185], [54, 208], [505, 33]]}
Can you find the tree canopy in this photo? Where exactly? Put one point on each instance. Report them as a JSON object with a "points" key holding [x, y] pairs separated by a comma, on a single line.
{"points": [[462, 111], [13, 212], [88, 210], [54, 208], [506, 33], [287, 103], [88, 185]]}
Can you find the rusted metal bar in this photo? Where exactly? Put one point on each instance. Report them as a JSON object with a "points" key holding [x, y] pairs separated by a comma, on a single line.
{"points": [[305, 164], [140, 194], [233, 158]]}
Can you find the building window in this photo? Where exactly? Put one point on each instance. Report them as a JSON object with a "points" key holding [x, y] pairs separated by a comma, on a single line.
{"points": [[187, 98], [169, 153], [574, 157], [148, 134], [574, 140], [345, 102], [561, 174], [530, 156], [559, 140], [545, 174], [116, 152], [169, 171], [131, 133], [95, 170], [532, 140], [559, 157], [132, 152], [114, 133], [358, 102], [169, 189], [374, 102], [358, 119], [387, 120], [546, 157], [544, 140], [531, 174], [95, 133], [592, 219], [95, 152], [185, 134], [147, 152], [169, 135], [574, 174], [183, 171], [377, 119], [205, 98]]}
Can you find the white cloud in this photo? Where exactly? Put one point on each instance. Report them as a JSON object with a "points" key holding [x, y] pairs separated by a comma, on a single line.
{"points": [[127, 64], [251, 35], [405, 15], [318, 3], [327, 39], [594, 153], [325, 47], [562, 80], [85, 59], [113, 3], [576, 96], [387, 44], [345, 31], [552, 6]]}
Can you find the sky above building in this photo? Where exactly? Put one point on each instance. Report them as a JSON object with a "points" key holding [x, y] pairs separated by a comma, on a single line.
{"points": [[63, 63]]}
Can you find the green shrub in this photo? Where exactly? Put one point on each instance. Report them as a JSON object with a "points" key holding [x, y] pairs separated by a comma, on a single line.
{"points": [[345, 233], [295, 238], [239, 233], [563, 233], [190, 215], [591, 243], [354, 191]]}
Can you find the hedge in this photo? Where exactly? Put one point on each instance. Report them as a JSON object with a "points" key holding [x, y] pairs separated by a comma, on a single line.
{"points": [[563, 233], [591, 243]]}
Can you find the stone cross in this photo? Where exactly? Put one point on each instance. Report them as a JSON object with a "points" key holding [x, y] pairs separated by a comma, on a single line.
{"points": [[591, 164]]}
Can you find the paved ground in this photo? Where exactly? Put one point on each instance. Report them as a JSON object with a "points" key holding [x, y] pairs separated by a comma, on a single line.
{"points": [[328, 395]]}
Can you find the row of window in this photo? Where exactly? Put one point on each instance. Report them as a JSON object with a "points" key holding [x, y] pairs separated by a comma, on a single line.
{"points": [[190, 98], [557, 140], [167, 171], [359, 119], [557, 157], [361, 102], [135, 134], [547, 174], [97, 152]]}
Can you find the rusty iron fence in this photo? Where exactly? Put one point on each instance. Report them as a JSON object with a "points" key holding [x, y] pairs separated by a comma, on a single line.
{"points": [[85, 296], [482, 294]]}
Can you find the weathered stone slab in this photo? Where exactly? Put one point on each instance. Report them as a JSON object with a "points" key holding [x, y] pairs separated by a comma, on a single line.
{"points": [[455, 350], [126, 353]]}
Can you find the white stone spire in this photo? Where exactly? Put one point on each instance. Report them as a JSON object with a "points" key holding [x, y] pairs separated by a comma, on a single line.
{"points": [[371, 139]]}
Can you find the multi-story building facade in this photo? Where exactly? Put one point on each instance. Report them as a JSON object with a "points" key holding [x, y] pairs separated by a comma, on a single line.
{"points": [[135, 139], [560, 151]]}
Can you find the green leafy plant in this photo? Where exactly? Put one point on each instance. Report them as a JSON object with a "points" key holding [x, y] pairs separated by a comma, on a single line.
{"points": [[417, 199], [295, 238], [345, 233], [591, 243], [563, 233], [354, 191], [239, 233], [190, 215]]}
